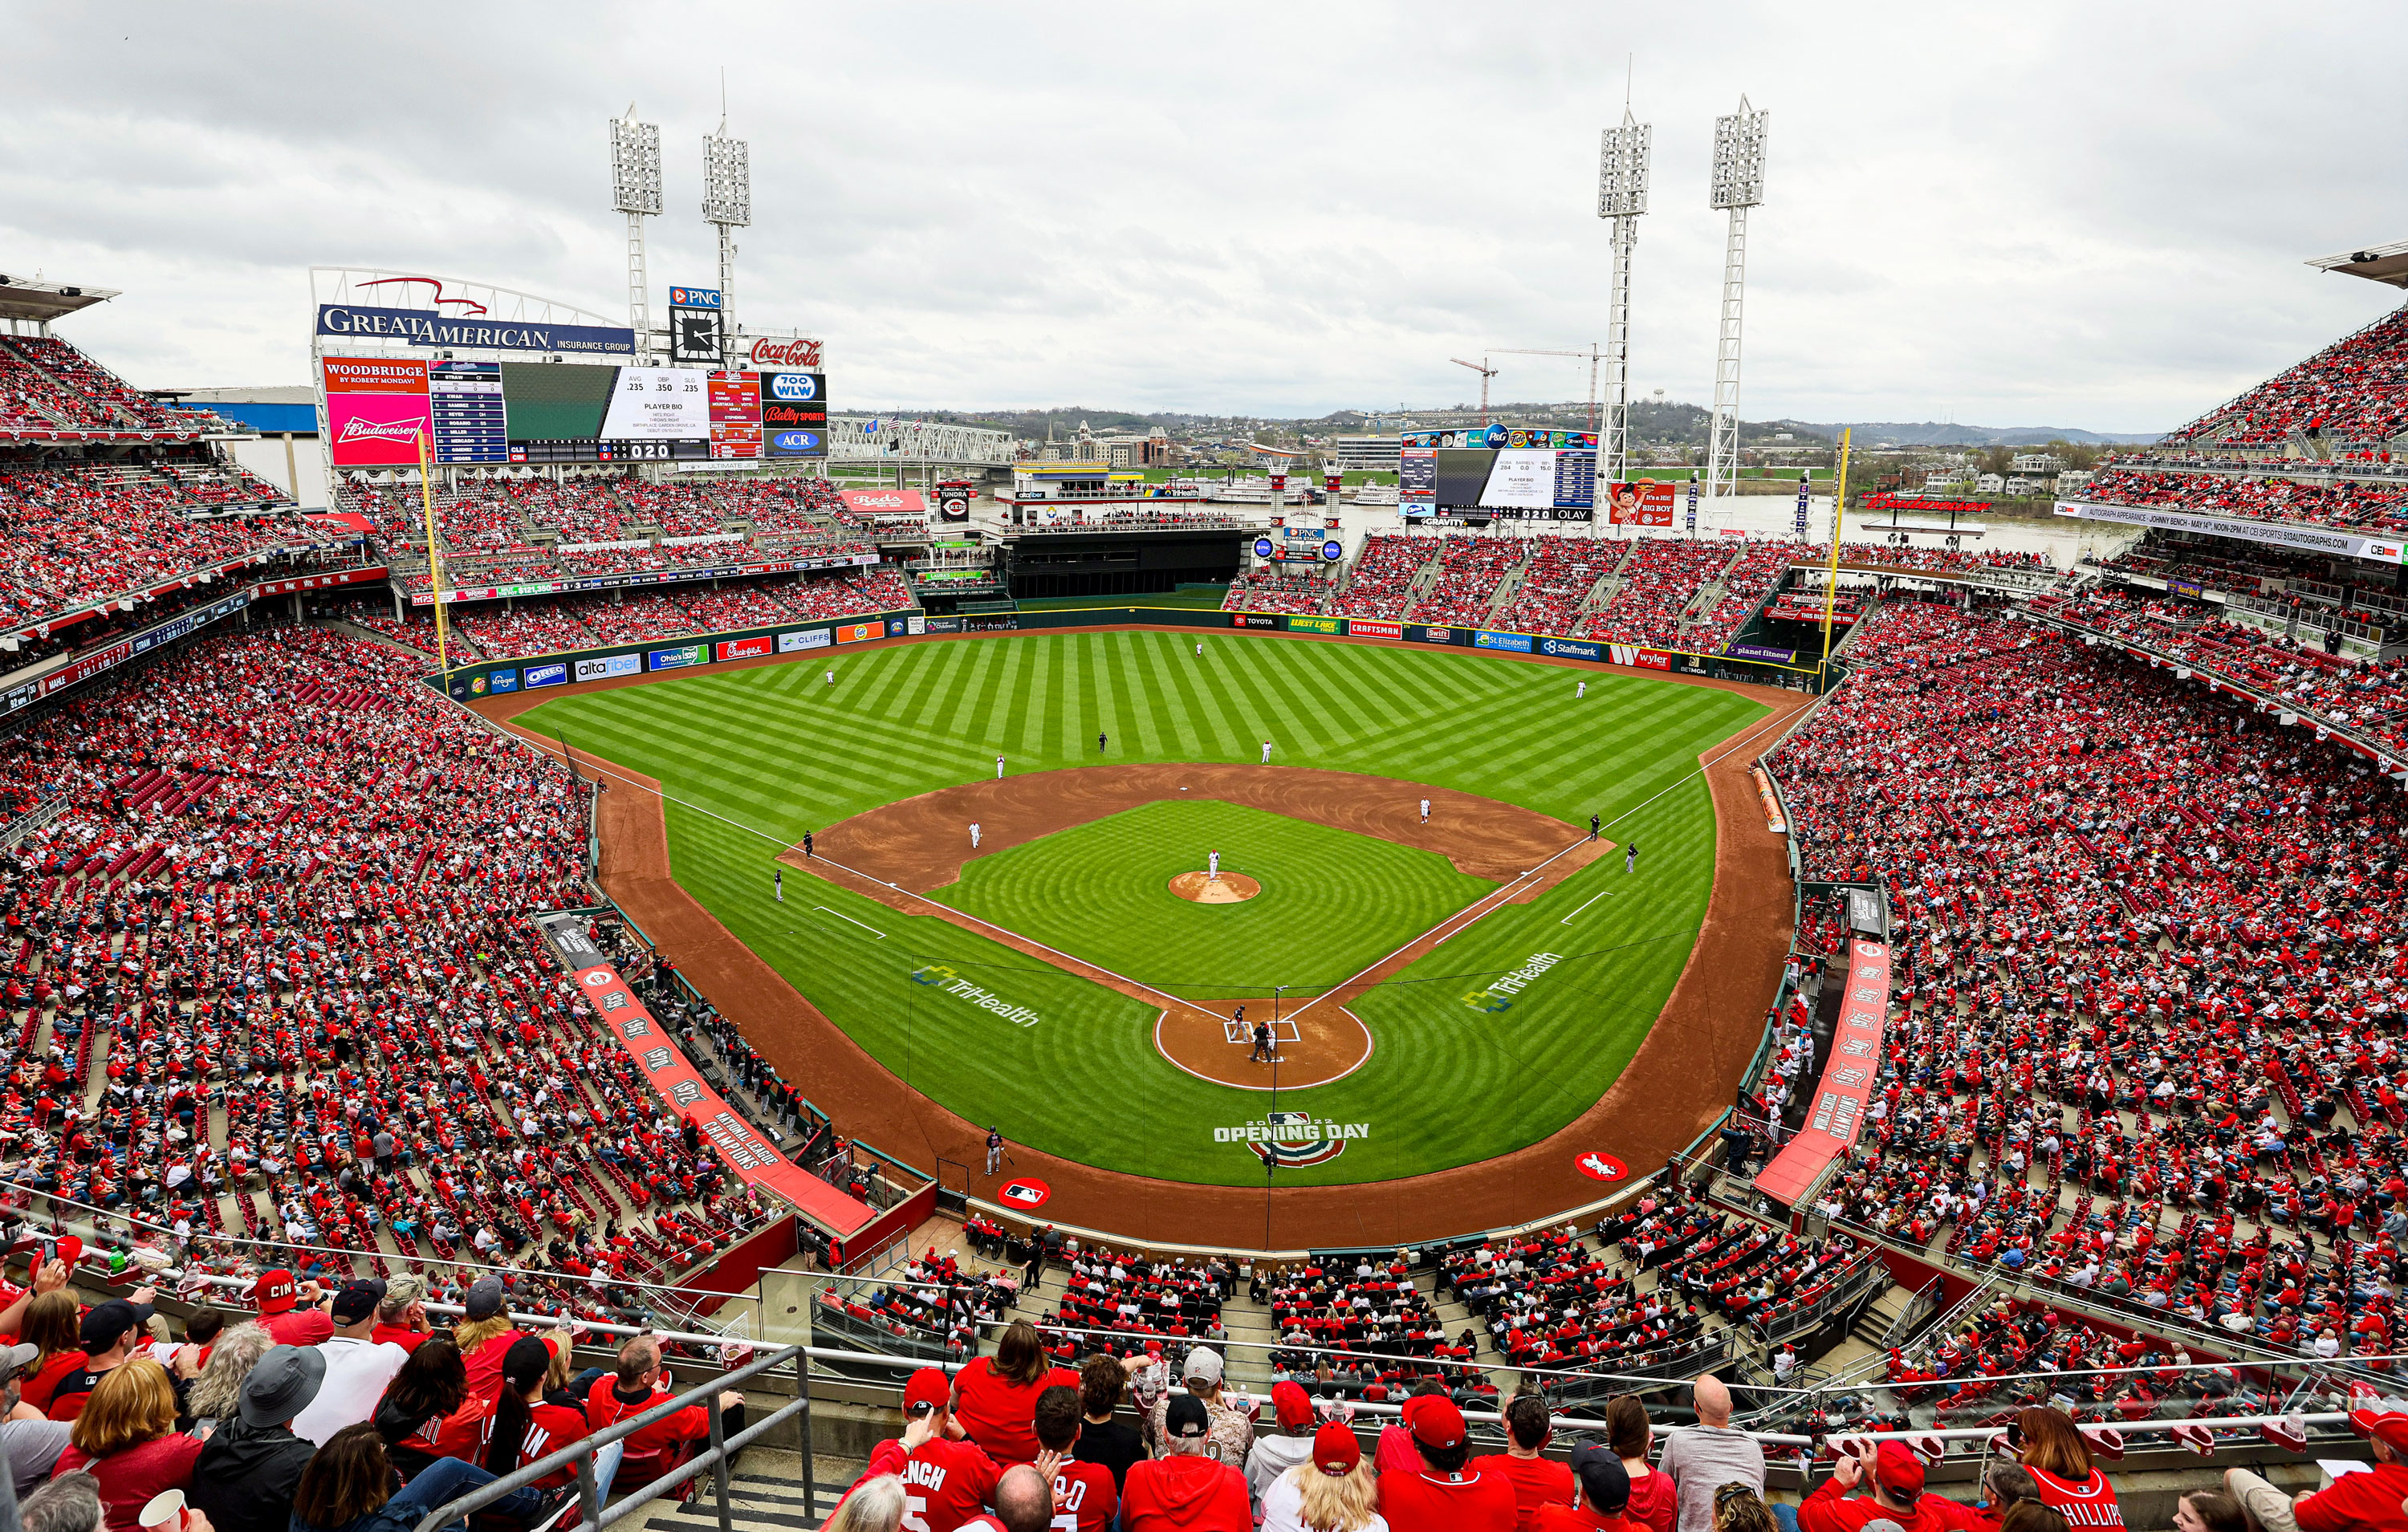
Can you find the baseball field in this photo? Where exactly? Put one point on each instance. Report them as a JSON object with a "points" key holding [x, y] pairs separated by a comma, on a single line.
{"points": [[1458, 988]]}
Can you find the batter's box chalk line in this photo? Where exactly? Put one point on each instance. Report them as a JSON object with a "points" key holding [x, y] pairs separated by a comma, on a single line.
{"points": [[1242, 1033]]}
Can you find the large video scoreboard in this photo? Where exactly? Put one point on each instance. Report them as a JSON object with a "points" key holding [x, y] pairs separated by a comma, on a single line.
{"points": [[1498, 473], [476, 413]]}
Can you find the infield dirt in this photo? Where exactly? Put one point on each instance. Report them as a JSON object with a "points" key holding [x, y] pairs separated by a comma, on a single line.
{"points": [[1682, 1077]]}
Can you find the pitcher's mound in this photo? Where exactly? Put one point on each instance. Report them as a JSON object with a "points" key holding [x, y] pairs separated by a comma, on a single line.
{"points": [[1203, 888]]}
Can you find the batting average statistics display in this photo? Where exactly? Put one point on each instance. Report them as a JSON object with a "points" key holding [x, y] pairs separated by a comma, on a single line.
{"points": [[499, 412]]}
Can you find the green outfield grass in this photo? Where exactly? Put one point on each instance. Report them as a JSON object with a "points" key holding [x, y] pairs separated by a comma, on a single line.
{"points": [[1466, 1068]]}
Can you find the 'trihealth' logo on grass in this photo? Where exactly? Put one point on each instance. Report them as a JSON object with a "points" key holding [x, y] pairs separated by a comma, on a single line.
{"points": [[936, 975], [1499, 996]]}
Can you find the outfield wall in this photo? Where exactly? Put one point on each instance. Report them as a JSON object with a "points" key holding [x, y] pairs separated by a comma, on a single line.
{"points": [[496, 677]]}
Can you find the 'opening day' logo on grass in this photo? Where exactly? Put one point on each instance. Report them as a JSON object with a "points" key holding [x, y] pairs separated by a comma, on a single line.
{"points": [[937, 976], [1499, 996], [1294, 1139]]}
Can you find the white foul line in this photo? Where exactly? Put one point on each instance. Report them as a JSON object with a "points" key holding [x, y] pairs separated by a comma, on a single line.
{"points": [[1604, 894], [850, 921]]}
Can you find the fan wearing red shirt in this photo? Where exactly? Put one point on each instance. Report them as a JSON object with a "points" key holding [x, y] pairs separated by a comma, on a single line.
{"points": [[1537, 1480], [1448, 1494], [281, 1315], [995, 1397], [1604, 1496], [1082, 1491], [401, 1318], [2050, 1447], [636, 1385], [1896, 1495], [2376, 1499], [946, 1479]]}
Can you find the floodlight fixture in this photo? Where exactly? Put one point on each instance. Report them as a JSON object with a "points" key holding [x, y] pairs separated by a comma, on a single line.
{"points": [[726, 181], [1622, 168], [635, 164], [1738, 157]]}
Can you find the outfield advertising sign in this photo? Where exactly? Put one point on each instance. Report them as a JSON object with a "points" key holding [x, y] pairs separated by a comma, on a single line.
{"points": [[1253, 620], [609, 665], [1316, 625], [506, 680], [858, 633], [1572, 648], [544, 675], [1421, 634], [745, 649], [1362, 628], [1761, 652], [683, 654], [1517, 642], [789, 643]]}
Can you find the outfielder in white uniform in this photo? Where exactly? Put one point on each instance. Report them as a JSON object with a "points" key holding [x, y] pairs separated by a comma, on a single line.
{"points": [[1266, 752], [998, 768], [1581, 692], [831, 677]]}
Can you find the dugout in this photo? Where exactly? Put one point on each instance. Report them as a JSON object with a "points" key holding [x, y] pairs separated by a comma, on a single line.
{"points": [[1101, 559]]}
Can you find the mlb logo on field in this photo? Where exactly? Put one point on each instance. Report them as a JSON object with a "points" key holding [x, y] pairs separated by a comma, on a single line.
{"points": [[1025, 1192], [1288, 1120]]}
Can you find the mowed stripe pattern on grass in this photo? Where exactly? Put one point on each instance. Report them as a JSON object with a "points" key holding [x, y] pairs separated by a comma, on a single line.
{"points": [[777, 749]]}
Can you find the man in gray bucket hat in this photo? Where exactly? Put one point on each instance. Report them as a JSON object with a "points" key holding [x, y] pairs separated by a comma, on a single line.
{"points": [[245, 1477]]}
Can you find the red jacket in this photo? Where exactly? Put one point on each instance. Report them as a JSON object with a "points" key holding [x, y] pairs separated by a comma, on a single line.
{"points": [[603, 1408], [2369, 1500], [1828, 1511], [1186, 1493], [1469, 1501]]}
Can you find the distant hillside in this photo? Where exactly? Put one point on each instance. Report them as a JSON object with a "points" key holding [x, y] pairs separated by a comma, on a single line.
{"points": [[1950, 434]]}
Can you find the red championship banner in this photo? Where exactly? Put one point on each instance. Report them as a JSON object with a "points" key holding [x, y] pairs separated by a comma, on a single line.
{"points": [[1839, 1112], [665, 1065]]}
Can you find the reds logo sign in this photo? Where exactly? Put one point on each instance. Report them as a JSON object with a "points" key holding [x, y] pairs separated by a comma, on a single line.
{"points": [[785, 353]]}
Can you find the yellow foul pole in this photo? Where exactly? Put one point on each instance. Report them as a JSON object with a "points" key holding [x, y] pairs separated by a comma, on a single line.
{"points": [[433, 557], [1831, 585]]}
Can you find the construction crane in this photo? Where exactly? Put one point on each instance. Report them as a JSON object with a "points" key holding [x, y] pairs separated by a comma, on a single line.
{"points": [[1487, 372], [1594, 353]]}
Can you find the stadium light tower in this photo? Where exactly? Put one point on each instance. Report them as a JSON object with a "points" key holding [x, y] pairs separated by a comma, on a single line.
{"points": [[1622, 196], [1738, 185], [636, 191], [727, 203]]}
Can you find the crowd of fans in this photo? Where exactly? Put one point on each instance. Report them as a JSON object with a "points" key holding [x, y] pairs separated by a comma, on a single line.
{"points": [[489, 630], [2353, 392], [2379, 507], [2369, 699], [71, 539], [1266, 588], [47, 385], [2147, 944], [274, 981]]}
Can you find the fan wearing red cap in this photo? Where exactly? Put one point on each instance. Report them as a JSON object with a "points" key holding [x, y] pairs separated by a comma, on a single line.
{"points": [[2373, 1499], [1287, 1442], [281, 1313], [1448, 1494], [1896, 1495], [946, 1479]]}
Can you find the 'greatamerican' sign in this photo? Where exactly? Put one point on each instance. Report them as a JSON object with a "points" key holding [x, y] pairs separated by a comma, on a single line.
{"points": [[420, 327]]}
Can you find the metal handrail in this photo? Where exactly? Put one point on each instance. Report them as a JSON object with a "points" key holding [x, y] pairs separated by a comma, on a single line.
{"points": [[581, 1452]]}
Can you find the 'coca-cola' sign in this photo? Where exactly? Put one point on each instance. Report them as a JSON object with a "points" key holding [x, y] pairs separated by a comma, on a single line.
{"points": [[767, 353]]}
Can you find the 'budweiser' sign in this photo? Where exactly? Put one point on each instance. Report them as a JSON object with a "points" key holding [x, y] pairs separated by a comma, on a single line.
{"points": [[785, 353], [358, 429]]}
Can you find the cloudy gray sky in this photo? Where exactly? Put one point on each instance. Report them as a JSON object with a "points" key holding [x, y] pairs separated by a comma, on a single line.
{"points": [[2088, 215]]}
